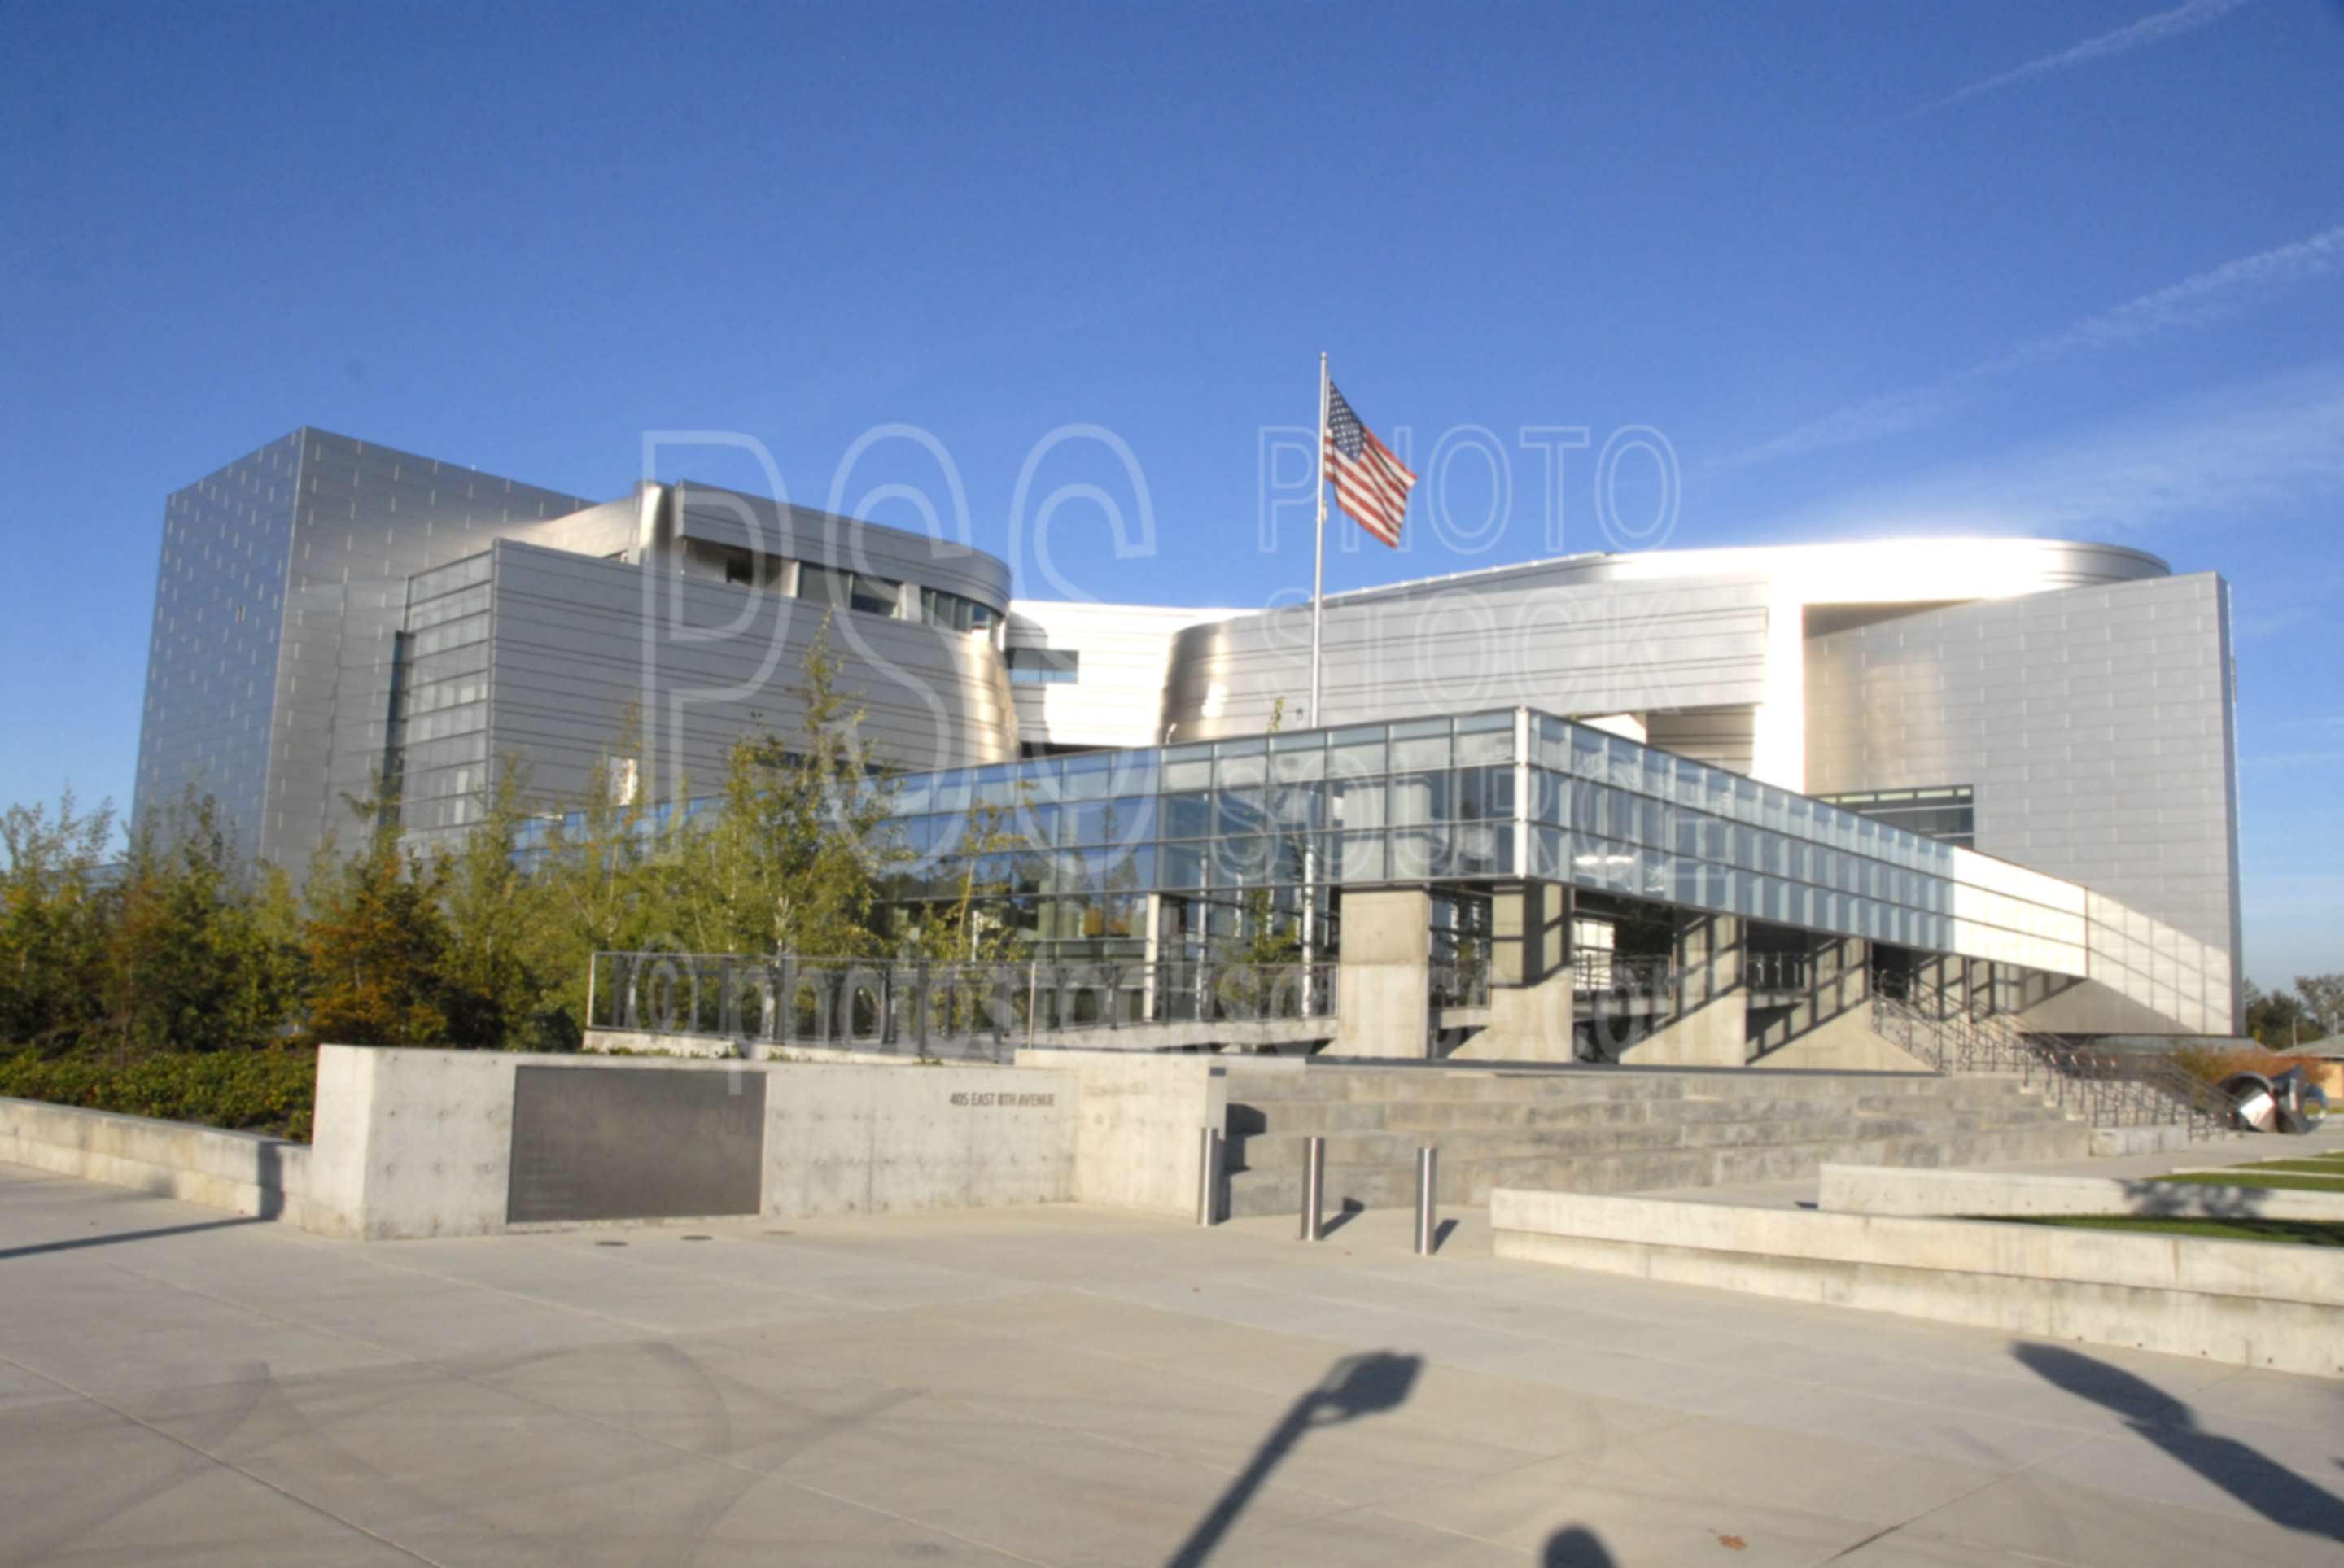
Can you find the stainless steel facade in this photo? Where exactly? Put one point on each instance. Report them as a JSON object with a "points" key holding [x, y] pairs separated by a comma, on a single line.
{"points": [[2097, 726], [279, 597], [330, 611], [1556, 635], [664, 627], [576, 650]]}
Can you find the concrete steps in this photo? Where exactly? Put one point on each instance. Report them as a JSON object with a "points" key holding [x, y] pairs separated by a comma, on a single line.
{"points": [[1613, 1131]]}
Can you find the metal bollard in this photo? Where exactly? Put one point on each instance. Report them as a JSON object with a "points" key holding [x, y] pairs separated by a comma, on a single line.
{"points": [[1209, 1177], [1428, 1178], [1314, 1187]]}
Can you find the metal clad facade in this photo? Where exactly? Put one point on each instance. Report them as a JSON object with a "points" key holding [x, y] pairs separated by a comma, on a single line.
{"points": [[219, 617], [801, 534], [580, 645], [1540, 637], [2095, 724], [1117, 697], [340, 526]]}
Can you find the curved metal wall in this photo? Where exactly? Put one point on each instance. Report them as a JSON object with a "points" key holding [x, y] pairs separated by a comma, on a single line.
{"points": [[580, 644], [1531, 638], [800, 533], [1670, 630]]}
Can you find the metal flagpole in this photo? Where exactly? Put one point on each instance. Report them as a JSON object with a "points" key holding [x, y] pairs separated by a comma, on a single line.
{"points": [[1318, 562], [1317, 721]]}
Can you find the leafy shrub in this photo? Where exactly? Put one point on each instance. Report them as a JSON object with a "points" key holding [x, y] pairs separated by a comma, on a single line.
{"points": [[2212, 1064], [273, 1091]]}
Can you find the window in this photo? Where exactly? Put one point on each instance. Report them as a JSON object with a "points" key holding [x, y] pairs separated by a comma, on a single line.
{"points": [[938, 608], [1947, 813], [849, 590], [1044, 666], [737, 566]]}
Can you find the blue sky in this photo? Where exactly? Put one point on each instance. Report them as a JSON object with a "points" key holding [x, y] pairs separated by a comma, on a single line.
{"points": [[2071, 268]]}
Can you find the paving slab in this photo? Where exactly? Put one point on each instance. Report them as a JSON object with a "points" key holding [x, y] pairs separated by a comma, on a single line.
{"points": [[1067, 1385]]}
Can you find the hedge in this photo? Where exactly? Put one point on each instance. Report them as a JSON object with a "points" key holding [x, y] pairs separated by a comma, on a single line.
{"points": [[272, 1090]]}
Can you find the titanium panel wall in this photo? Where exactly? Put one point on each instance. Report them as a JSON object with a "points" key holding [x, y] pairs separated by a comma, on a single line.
{"points": [[367, 519], [1118, 690], [801, 534], [2095, 726], [577, 642], [1541, 637], [211, 665]]}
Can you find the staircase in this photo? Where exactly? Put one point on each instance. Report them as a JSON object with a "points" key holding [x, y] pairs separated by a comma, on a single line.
{"points": [[2103, 1087], [1613, 1129]]}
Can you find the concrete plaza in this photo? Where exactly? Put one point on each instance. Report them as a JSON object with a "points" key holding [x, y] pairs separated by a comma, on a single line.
{"points": [[1065, 1386]]}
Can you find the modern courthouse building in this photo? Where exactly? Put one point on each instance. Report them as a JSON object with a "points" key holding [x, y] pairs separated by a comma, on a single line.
{"points": [[2001, 768]]}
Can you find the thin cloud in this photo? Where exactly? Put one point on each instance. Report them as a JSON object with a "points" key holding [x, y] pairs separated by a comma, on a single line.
{"points": [[2156, 29], [2242, 453], [2198, 301]]}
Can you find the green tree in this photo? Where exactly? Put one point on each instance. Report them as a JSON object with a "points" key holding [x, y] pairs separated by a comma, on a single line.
{"points": [[2278, 1019], [975, 924], [602, 885], [2323, 1003], [792, 858], [500, 936], [195, 960], [377, 946], [54, 913], [272, 976]]}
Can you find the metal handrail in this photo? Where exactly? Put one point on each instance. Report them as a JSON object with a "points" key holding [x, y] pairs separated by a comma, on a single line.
{"points": [[980, 1008], [1777, 971], [2110, 1088]]}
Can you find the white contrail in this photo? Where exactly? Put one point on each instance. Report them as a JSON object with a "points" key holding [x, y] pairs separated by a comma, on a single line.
{"points": [[2270, 447], [2195, 301], [2156, 29]]}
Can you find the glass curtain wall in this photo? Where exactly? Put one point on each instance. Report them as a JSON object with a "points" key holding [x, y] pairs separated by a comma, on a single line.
{"points": [[1211, 840], [438, 761]]}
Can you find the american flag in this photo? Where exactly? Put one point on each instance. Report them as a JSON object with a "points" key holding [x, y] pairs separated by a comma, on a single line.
{"points": [[1370, 482]]}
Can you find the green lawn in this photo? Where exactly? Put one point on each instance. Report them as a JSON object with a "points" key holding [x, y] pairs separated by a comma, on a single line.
{"points": [[2296, 1232], [2247, 1177]]}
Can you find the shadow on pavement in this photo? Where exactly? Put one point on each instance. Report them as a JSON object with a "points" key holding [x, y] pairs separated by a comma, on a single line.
{"points": [[2271, 1489], [1577, 1547], [1370, 1383], [109, 1239]]}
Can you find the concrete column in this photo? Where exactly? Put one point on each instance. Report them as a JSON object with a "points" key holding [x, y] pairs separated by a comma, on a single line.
{"points": [[1713, 1029], [1383, 979], [1151, 955], [1529, 932], [1829, 1028], [1530, 992], [1708, 953]]}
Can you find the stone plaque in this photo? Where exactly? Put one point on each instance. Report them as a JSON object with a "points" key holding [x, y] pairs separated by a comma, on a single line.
{"points": [[635, 1143]]}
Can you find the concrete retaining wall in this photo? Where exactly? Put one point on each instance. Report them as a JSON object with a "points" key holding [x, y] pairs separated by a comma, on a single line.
{"points": [[1137, 1119], [2117, 1142], [1882, 1189], [241, 1172], [420, 1141], [2245, 1302]]}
